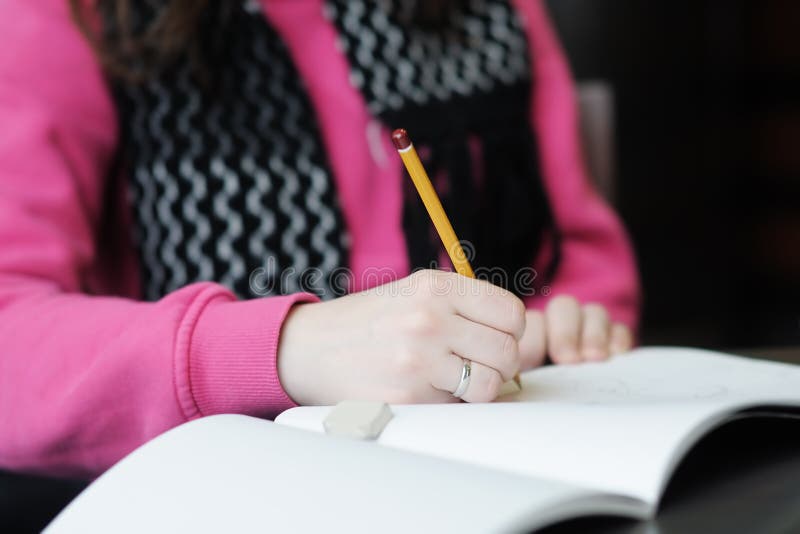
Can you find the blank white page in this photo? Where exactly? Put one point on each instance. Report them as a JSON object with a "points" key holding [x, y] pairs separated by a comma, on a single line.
{"points": [[240, 474], [618, 426]]}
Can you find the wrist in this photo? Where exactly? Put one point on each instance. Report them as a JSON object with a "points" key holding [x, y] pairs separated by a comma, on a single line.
{"points": [[293, 361]]}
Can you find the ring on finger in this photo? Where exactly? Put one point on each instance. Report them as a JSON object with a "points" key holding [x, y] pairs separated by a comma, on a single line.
{"points": [[466, 374]]}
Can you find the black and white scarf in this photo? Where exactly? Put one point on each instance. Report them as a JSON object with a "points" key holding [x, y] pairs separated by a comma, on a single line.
{"points": [[232, 184]]}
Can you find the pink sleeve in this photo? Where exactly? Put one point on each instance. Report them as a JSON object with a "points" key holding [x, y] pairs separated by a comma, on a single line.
{"points": [[83, 379], [597, 263]]}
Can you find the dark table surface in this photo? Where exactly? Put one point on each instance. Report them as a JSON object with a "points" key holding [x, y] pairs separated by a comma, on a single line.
{"points": [[742, 478]]}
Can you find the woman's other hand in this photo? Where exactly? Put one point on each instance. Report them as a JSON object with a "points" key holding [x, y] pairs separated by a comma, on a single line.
{"points": [[572, 333]]}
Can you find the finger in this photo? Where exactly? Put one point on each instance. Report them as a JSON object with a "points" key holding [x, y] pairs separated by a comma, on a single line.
{"points": [[621, 339], [446, 372], [484, 384], [563, 324], [595, 332], [482, 344], [476, 300], [533, 345]]}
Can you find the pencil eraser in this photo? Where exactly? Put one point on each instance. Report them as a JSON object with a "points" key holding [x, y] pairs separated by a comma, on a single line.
{"points": [[358, 419]]}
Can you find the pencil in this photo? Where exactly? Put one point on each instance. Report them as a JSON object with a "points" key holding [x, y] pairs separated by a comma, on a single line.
{"points": [[433, 205]]}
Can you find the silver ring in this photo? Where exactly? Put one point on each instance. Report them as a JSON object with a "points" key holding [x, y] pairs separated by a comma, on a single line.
{"points": [[466, 373]]}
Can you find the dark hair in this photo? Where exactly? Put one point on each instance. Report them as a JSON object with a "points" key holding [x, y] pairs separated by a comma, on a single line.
{"points": [[134, 52]]}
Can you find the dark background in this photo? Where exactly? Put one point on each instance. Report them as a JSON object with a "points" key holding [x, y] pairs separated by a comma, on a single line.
{"points": [[708, 175], [707, 158]]}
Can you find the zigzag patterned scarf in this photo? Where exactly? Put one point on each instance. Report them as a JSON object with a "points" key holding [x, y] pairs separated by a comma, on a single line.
{"points": [[232, 180]]}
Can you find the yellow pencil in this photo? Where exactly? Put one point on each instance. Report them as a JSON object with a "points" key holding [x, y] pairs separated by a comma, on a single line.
{"points": [[433, 205]]}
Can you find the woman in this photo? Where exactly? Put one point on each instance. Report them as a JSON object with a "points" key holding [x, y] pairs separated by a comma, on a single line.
{"points": [[177, 158]]}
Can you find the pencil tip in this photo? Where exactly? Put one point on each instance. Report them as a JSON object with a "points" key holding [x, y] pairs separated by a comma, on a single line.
{"points": [[400, 139]]}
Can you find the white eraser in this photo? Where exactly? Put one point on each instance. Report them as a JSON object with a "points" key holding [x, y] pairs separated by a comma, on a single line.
{"points": [[358, 419]]}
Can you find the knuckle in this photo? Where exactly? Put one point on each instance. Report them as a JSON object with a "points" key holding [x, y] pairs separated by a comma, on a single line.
{"points": [[567, 299], [422, 273], [594, 307], [409, 362], [422, 322], [597, 311], [563, 301], [422, 282], [428, 284]]}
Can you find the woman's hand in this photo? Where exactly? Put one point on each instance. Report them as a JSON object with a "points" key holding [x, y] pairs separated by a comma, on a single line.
{"points": [[403, 342], [571, 333]]}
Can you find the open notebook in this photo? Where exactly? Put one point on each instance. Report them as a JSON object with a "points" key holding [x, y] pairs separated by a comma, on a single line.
{"points": [[580, 440]]}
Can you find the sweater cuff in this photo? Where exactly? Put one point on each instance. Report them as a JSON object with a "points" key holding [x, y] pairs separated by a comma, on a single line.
{"points": [[233, 357]]}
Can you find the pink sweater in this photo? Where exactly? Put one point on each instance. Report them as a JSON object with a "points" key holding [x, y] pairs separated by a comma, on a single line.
{"points": [[87, 372]]}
